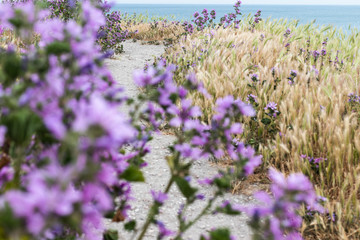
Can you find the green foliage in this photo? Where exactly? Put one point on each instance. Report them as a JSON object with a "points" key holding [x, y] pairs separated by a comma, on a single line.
{"points": [[185, 188], [130, 226], [218, 234], [111, 235], [133, 174], [58, 48], [21, 124]]}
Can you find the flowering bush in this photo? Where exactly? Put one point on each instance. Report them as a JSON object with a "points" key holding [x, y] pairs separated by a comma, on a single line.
{"points": [[110, 35], [64, 9], [61, 129], [206, 20]]}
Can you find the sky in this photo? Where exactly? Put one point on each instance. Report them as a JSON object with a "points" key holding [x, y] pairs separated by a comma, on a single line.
{"points": [[300, 2]]}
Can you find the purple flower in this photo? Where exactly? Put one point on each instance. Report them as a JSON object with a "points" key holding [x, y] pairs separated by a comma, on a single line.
{"points": [[280, 211], [255, 78], [159, 197], [6, 175], [224, 105], [98, 112], [163, 231], [251, 99], [323, 52], [92, 15], [313, 69], [316, 54], [314, 161], [200, 196], [187, 151], [287, 32], [354, 98], [271, 106], [293, 73], [3, 131], [271, 109]]}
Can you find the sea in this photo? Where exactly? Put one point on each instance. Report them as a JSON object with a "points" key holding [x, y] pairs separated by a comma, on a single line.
{"points": [[345, 17]]}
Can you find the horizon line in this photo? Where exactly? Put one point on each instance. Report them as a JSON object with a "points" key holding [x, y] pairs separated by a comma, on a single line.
{"points": [[247, 4]]}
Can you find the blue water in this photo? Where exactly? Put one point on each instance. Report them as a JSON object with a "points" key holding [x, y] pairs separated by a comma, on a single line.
{"points": [[339, 16]]}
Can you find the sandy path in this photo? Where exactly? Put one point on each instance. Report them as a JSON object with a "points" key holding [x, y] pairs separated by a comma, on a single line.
{"points": [[157, 174]]}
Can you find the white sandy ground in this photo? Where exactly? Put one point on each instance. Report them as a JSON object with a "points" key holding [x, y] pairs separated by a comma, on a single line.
{"points": [[157, 173]]}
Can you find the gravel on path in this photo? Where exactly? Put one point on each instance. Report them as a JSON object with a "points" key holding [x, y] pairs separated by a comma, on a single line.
{"points": [[157, 173]]}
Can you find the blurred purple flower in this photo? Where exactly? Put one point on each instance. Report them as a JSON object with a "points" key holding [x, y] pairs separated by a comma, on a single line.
{"points": [[159, 196]]}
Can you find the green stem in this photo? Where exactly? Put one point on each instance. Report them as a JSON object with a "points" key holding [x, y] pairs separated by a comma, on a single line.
{"points": [[18, 160], [152, 212], [203, 212]]}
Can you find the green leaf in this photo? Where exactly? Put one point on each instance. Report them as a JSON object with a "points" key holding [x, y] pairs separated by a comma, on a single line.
{"points": [[58, 48], [21, 125], [266, 121], [8, 220], [11, 67], [220, 234], [228, 209], [130, 226], [223, 182], [133, 174], [111, 235], [185, 188]]}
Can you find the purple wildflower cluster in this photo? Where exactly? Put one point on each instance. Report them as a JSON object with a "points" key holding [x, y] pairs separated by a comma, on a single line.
{"points": [[277, 217], [287, 33], [237, 6], [293, 75], [65, 126], [111, 35], [188, 27], [202, 140], [271, 109], [323, 52], [257, 16], [354, 102], [313, 161], [63, 9], [255, 78], [354, 98], [257, 20], [206, 19], [252, 99], [316, 55], [231, 18], [312, 212], [197, 140]]}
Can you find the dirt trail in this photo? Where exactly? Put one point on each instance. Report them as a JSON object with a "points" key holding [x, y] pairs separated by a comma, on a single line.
{"points": [[157, 173]]}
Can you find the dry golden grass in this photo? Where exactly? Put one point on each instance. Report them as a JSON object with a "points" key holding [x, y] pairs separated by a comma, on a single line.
{"points": [[155, 31], [316, 118], [8, 37]]}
